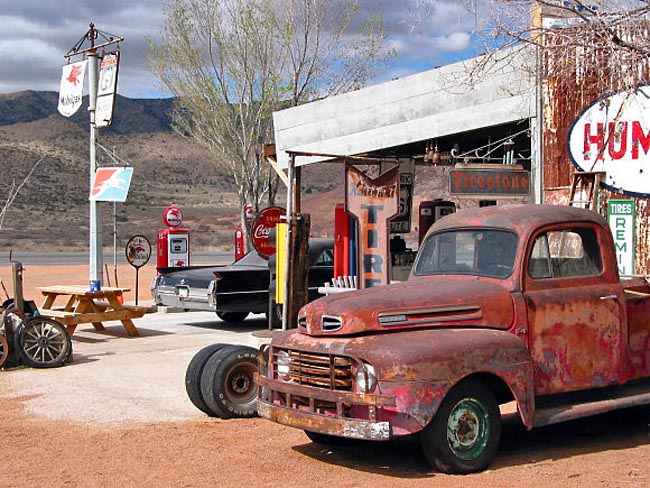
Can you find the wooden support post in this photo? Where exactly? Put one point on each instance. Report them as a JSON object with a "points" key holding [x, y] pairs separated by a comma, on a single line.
{"points": [[297, 279], [17, 274]]}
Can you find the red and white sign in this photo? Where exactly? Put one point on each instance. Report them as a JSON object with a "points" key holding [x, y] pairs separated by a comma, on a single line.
{"points": [[106, 88], [173, 217], [613, 135], [249, 212], [111, 184], [71, 90], [261, 227]]}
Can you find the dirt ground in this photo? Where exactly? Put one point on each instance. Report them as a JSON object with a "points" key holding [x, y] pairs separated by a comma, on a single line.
{"points": [[118, 416]]}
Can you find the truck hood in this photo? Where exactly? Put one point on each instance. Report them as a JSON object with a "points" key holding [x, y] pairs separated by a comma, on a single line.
{"points": [[421, 302]]}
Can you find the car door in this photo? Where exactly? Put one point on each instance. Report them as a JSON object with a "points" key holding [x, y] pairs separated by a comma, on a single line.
{"points": [[574, 328]]}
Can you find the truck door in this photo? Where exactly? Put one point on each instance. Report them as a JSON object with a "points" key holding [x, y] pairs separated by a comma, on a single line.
{"points": [[574, 327]]}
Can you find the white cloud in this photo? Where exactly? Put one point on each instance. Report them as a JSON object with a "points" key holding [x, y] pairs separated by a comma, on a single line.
{"points": [[36, 34], [458, 41]]}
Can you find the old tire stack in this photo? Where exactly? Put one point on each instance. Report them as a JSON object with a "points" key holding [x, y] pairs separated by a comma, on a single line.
{"points": [[219, 381]]}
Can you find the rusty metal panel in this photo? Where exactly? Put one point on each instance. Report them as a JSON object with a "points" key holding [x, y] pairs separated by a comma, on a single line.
{"points": [[572, 79]]}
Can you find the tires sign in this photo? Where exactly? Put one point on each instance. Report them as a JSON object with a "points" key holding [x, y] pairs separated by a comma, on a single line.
{"points": [[261, 227]]}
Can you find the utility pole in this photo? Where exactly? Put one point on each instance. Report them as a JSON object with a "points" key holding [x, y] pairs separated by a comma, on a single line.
{"points": [[92, 52]]}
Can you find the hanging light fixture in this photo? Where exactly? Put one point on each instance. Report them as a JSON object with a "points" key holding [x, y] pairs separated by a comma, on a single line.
{"points": [[432, 155]]}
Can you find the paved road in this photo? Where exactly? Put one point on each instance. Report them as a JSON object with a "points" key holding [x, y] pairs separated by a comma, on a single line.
{"points": [[45, 258]]}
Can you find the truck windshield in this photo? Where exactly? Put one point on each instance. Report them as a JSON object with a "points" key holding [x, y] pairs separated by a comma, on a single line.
{"points": [[470, 252]]}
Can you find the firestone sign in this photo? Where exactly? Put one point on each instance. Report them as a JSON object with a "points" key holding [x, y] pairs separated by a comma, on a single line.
{"points": [[613, 135]]}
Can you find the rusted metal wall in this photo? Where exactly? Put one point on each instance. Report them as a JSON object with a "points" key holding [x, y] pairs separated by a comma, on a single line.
{"points": [[571, 79]]}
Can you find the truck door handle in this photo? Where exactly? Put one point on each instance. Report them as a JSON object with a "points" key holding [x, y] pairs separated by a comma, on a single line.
{"points": [[609, 297]]}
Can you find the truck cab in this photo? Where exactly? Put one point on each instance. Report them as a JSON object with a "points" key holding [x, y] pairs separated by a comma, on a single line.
{"points": [[519, 303]]}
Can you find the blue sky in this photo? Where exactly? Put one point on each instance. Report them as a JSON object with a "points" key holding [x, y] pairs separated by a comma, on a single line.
{"points": [[35, 35]]}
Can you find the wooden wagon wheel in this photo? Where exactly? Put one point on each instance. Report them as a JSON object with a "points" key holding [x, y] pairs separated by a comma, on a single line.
{"points": [[4, 349]]}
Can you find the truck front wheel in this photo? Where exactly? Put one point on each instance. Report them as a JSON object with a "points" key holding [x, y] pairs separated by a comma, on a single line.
{"points": [[464, 435]]}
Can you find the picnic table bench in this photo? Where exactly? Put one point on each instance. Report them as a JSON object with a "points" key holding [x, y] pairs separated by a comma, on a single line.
{"points": [[83, 306]]}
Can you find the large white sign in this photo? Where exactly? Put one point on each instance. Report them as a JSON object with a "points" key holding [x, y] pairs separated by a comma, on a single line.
{"points": [[613, 135], [72, 85], [106, 88]]}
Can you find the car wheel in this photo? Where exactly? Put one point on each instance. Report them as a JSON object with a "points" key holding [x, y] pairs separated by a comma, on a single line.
{"points": [[193, 376], [232, 317], [43, 343], [463, 437], [227, 383]]}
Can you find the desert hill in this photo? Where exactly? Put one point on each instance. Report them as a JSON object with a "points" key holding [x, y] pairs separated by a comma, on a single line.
{"points": [[51, 210]]}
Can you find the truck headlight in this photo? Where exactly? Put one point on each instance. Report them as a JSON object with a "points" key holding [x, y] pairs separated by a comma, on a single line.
{"points": [[284, 365], [366, 378]]}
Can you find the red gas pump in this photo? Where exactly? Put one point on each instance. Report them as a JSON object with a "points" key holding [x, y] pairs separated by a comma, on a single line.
{"points": [[239, 244], [430, 212], [173, 243], [341, 241]]}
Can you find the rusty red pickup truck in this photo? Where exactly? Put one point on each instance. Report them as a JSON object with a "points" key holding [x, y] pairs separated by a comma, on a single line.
{"points": [[516, 303]]}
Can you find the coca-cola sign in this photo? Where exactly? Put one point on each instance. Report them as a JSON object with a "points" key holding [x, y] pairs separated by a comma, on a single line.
{"points": [[613, 135], [261, 227]]}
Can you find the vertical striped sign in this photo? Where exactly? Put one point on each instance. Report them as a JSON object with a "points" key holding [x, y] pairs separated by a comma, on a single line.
{"points": [[621, 215]]}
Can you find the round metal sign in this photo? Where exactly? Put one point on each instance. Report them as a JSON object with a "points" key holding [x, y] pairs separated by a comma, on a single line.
{"points": [[138, 251], [261, 227], [173, 217], [613, 135]]}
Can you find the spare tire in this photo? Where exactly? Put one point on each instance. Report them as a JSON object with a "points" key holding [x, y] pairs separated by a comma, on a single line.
{"points": [[193, 376], [227, 383]]}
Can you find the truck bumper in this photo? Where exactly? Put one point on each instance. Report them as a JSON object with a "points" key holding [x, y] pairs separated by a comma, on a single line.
{"points": [[329, 420], [313, 422]]}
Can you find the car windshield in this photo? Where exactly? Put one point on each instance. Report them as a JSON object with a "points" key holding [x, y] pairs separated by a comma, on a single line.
{"points": [[471, 252]]}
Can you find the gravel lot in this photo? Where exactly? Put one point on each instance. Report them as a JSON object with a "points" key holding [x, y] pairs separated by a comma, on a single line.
{"points": [[118, 415]]}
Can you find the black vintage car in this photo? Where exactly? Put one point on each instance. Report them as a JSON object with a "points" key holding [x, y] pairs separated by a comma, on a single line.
{"points": [[235, 290]]}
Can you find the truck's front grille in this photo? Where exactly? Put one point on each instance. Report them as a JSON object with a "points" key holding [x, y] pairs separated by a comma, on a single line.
{"points": [[319, 370]]}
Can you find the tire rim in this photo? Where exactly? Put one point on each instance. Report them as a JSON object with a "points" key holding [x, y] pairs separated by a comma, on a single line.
{"points": [[43, 342], [468, 429], [241, 385]]}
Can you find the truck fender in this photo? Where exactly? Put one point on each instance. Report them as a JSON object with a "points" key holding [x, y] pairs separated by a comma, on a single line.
{"points": [[439, 360]]}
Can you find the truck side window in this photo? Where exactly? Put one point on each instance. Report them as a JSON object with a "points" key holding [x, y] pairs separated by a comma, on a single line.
{"points": [[539, 264], [566, 253]]}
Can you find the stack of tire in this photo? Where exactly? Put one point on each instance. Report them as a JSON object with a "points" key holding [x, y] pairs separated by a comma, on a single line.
{"points": [[219, 381]]}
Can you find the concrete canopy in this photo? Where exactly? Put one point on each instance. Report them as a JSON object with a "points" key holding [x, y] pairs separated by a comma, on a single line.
{"points": [[448, 100]]}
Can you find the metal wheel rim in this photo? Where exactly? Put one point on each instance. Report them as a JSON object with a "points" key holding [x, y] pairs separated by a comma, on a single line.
{"points": [[43, 342], [468, 429], [240, 384]]}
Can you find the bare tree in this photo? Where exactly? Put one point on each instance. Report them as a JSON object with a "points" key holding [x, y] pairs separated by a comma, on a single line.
{"points": [[14, 190], [231, 63], [578, 39]]}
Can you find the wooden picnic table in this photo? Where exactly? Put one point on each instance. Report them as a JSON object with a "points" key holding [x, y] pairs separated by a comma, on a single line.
{"points": [[83, 306]]}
